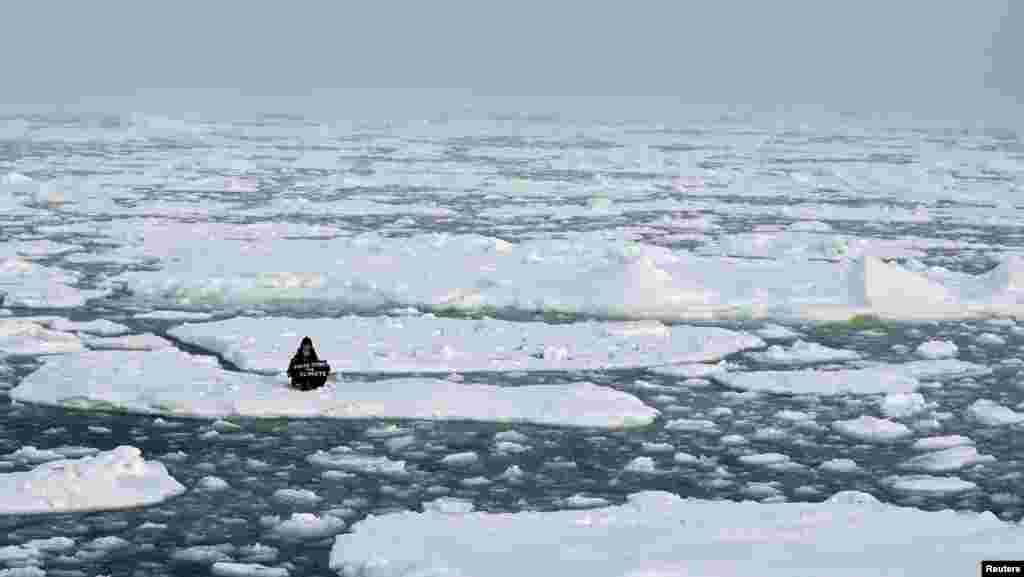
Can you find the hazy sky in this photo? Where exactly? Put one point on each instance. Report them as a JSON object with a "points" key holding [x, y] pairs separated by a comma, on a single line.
{"points": [[865, 53]]}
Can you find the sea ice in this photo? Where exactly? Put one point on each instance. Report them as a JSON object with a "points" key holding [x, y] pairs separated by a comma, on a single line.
{"points": [[22, 337], [116, 479], [891, 378], [872, 429], [947, 460], [430, 344], [802, 352], [173, 382], [656, 533]]}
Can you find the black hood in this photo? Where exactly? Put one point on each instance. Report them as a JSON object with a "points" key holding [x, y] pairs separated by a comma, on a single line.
{"points": [[312, 356]]}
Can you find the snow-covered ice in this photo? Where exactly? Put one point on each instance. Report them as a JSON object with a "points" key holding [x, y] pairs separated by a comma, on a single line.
{"points": [[992, 414], [98, 327], [929, 485], [656, 533], [946, 460], [26, 284], [872, 429], [23, 337], [940, 443], [580, 274], [900, 405], [937, 349], [347, 459], [802, 352], [116, 479], [143, 342], [174, 382], [431, 344], [884, 378]]}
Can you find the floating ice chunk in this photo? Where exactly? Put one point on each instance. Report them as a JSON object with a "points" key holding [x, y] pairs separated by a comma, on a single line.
{"points": [[114, 479], [226, 569], [512, 473], [477, 481], [802, 352], [872, 429], [385, 431], [211, 483], [733, 440], [431, 344], [947, 460], [684, 458], [21, 337], [461, 459], [143, 342], [992, 414], [507, 448], [511, 435], [840, 466], [641, 465], [26, 284], [347, 459], [657, 447], [657, 533], [297, 497], [449, 505], [99, 327], [580, 501], [258, 553], [894, 378], [173, 382], [928, 485], [990, 339], [940, 443], [204, 554], [692, 425], [168, 315], [304, 526], [900, 405], [691, 371], [764, 459], [778, 332], [937, 349], [793, 416]]}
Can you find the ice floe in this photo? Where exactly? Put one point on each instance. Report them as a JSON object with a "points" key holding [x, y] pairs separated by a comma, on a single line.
{"points": [[992, 414], [928, 485], [802, 352], [872, 429], [348, 459], [116, 479], [883, 378], [24, 337], [582, 274], [657, 533], [431, 344], [174, 382], [26, 284], [937, 349], [946, 460]]}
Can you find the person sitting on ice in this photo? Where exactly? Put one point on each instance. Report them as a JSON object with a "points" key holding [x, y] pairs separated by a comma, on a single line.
{"points": [[306, 370]]}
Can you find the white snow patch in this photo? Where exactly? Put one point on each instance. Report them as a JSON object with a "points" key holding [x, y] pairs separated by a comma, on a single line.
{"points": [[99, 327], [167, 315], [297, 497]]}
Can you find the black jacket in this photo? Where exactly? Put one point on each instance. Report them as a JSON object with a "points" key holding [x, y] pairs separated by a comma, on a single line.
{"points": [[309, 372]]}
